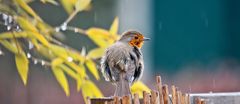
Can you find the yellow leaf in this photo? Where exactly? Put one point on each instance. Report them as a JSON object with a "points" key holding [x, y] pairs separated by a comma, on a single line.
{"points": [[10, 46], [68, 6], [59, 51], [82, 5], [57, 61], [72, 74], [100, 36], [62, 79], [114, 27], [39, 37], [27, 8], [139, 87], [89, 89], [22, 66], [10, 35], [92, 68], [50, 1], [26, 25], [77, 68], [96, 53]]}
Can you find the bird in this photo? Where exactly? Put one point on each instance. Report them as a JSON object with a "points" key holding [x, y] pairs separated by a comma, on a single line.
{"points": [[122, 63]]}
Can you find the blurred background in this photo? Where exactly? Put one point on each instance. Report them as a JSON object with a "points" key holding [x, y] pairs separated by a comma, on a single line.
{"points": [[194, 45]]}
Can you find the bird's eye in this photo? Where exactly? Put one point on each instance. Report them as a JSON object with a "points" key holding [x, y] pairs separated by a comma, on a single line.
{"points": [[136, 37]]}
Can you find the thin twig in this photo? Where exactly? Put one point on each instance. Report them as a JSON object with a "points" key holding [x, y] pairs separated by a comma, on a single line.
{"points": [[74, 13]]}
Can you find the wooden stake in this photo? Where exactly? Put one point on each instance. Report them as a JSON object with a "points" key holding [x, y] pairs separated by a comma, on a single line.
{"points": [[183, 98], [197, 100], [165, 94], [136, 99], [188, 98], [154, 99], [126, 100], [174, 95], [159, 88], [88, 101], [116, 100], [203, 101], [179, 95], [146, 98]]}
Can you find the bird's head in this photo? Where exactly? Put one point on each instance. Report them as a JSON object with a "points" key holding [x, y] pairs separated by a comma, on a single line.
{"points": [[133, 38]]}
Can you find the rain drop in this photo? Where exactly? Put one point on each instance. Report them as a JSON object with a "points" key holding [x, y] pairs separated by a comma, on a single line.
{"points": [[1, 53], [8, 27], [83, 52], [75, 30], [57, 29], [30, 45], [4, 16], [43, 63], [64, 26], [35, 61], [70, 59], [28, 55]]}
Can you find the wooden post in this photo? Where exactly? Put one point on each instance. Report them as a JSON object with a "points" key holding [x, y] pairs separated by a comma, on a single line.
{"points": [[165, 94], [88, 101], [179, 94], [116, 100], [184, 98], [203, 101], [146, 98], [136, 99], [188, 98], [174, 95], [126, 100], [154, 99], [159, 88], [197, 100]]}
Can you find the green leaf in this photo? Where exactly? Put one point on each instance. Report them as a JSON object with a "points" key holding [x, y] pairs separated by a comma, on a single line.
{"points": [[89, 89], [82, 5], [22, 66], [62, 79], [96, 53], [114, 27], [92, 68]]}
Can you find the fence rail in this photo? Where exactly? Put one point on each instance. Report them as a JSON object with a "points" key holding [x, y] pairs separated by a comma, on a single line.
{"points": [[159, 96]]}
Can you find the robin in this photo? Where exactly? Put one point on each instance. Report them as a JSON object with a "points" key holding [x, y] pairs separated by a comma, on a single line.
{"points": [[122, 63]]}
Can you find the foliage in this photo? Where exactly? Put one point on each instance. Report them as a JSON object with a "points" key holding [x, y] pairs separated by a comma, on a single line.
{"points": [[31, 34]]}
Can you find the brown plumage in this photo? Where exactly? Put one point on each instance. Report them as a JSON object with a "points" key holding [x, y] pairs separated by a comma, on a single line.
{"points": [[122, 63]]}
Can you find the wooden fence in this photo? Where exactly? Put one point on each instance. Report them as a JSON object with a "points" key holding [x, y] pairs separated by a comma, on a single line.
{"points": [[159, 96]]}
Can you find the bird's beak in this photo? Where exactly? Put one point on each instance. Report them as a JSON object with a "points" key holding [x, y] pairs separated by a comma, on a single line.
{"points": [[146, 39]]}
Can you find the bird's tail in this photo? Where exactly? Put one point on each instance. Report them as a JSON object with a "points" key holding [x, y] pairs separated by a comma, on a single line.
{"points": [[122, 87]]}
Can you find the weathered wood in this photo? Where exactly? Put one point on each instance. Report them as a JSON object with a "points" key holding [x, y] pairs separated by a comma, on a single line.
{"points": [[203, 101], [179, 93], [174, 95], [116, 100], [197, 100], [136, 99], [188, 98], [165, 94], [154, 97], [146, 98], [88, 101], [126, 100], [184, 98], [159, 88]]}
